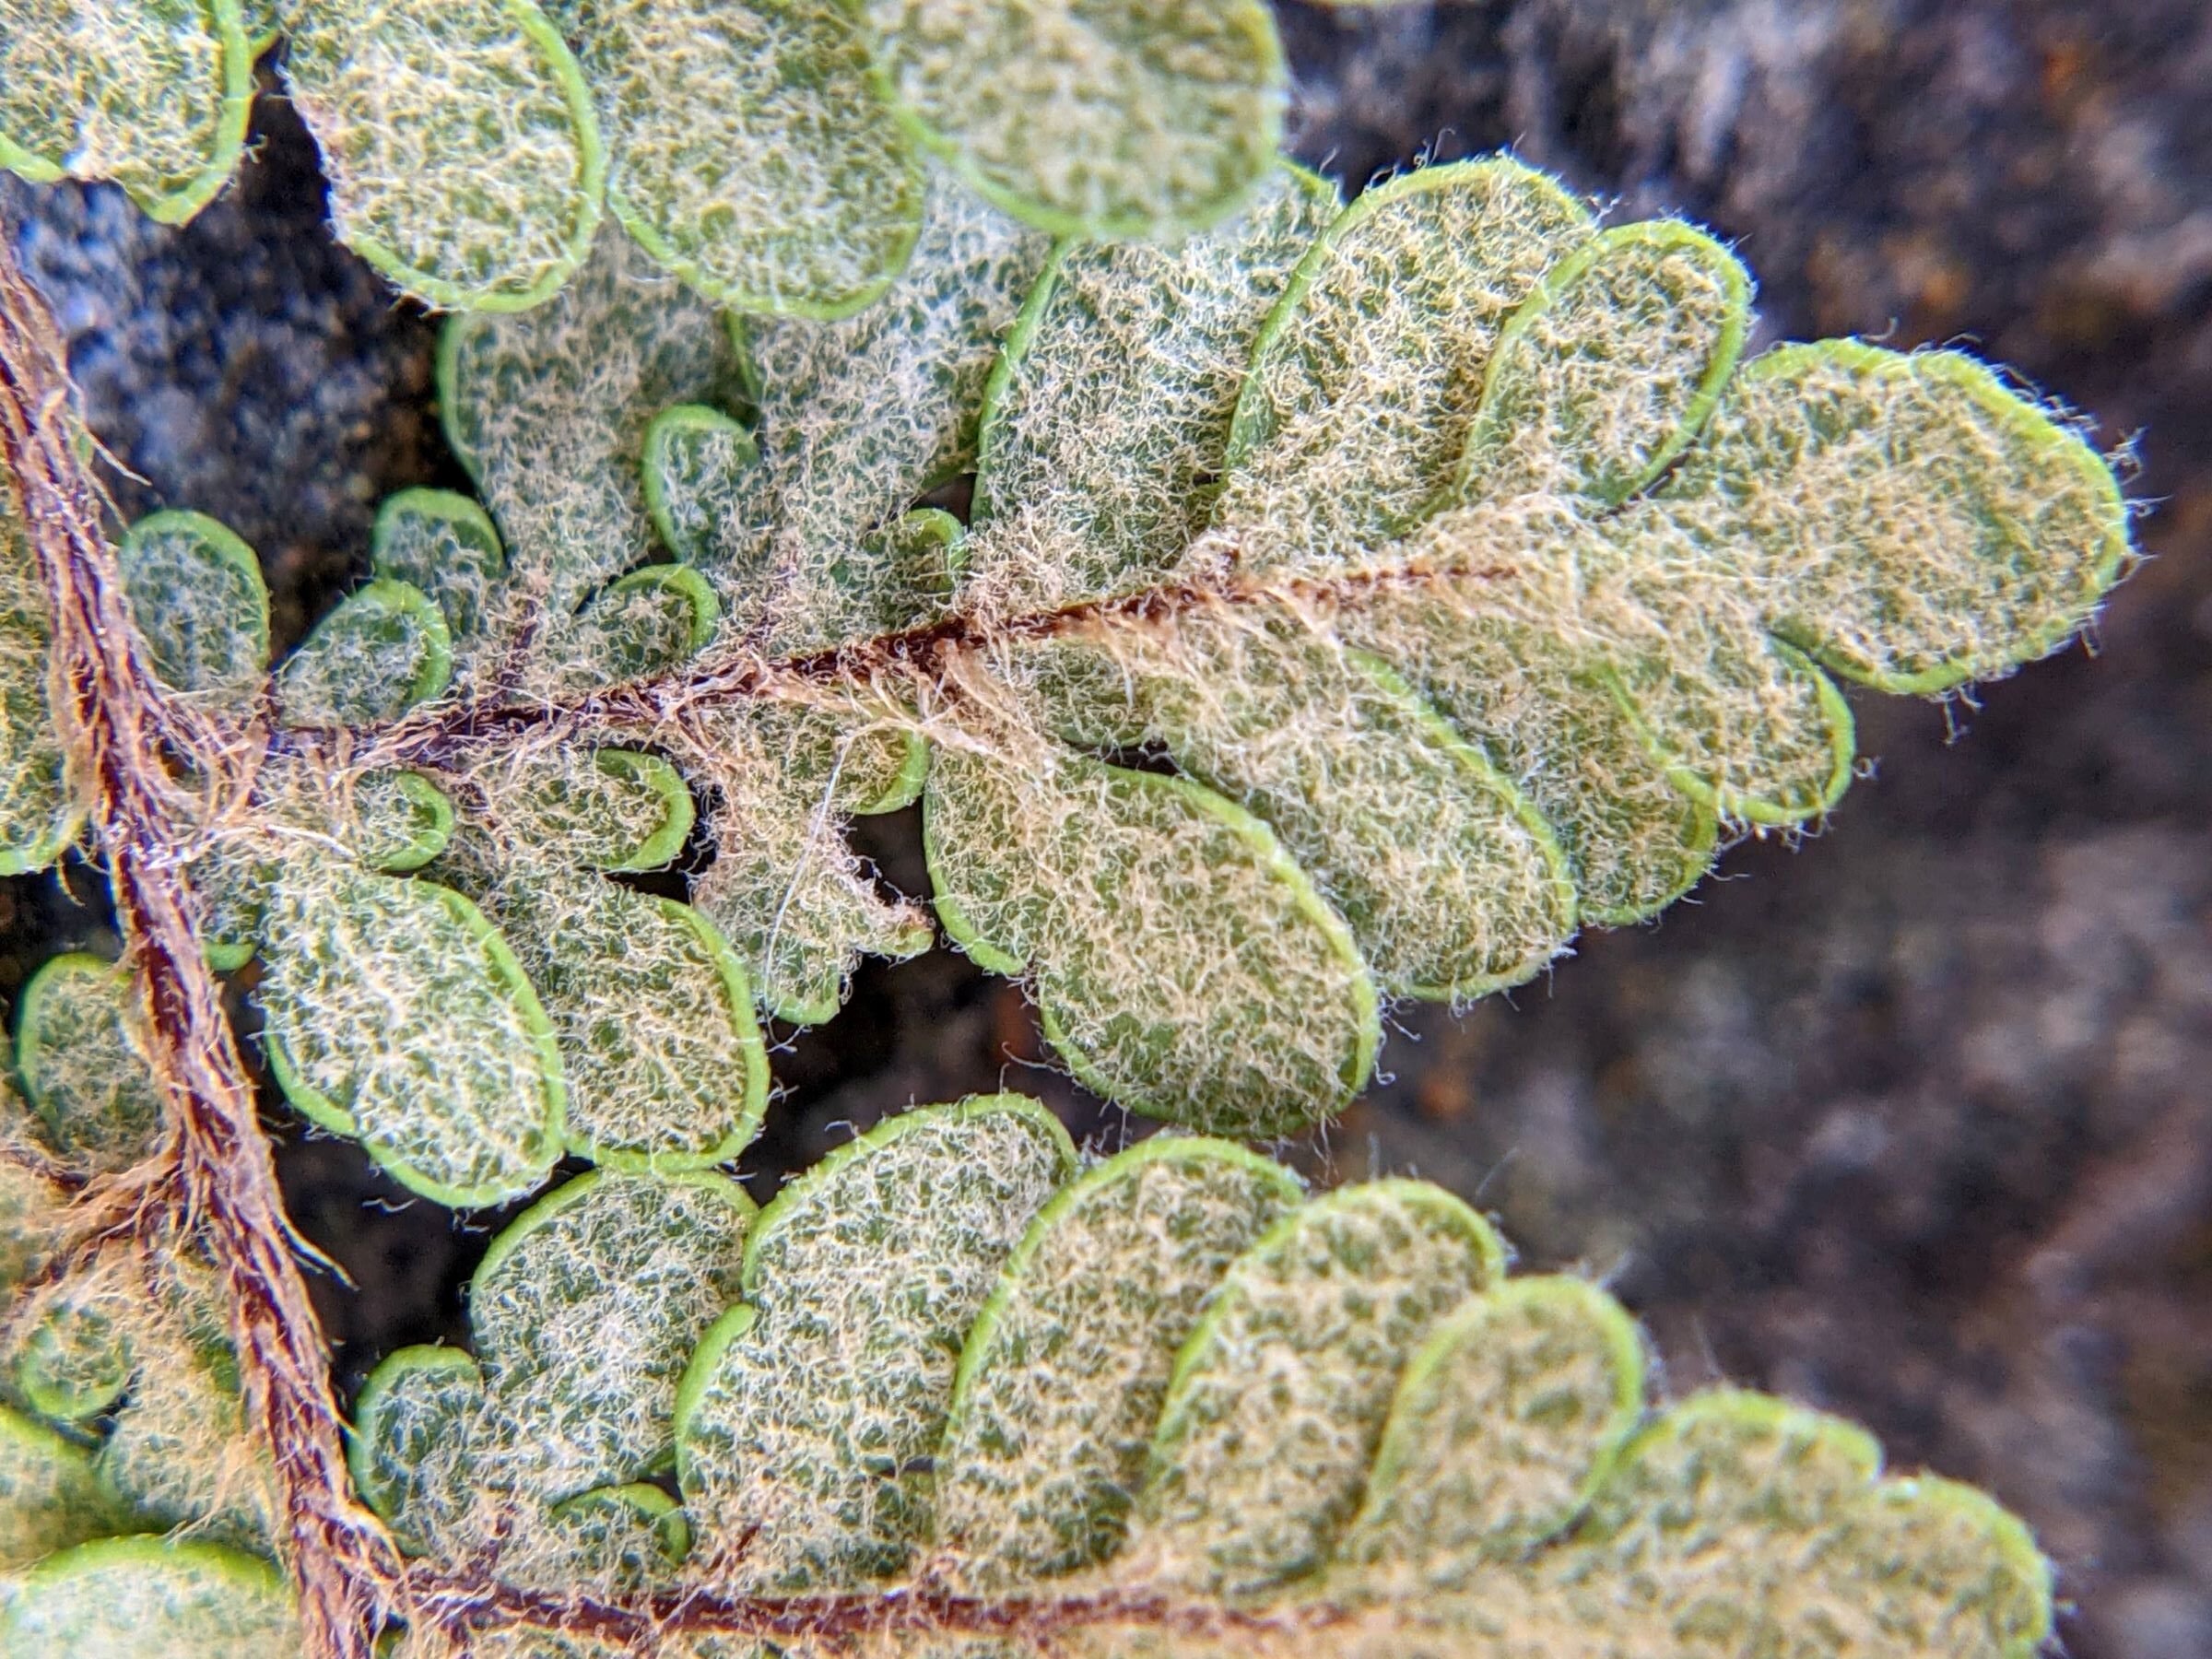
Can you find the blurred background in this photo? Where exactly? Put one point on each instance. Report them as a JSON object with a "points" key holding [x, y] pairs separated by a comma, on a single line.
{"points": [[1914, 1123]]}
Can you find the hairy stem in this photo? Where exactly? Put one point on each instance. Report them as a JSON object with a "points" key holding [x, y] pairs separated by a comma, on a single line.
{"points": [[459, 1599], [441, 732], [124, 742]]}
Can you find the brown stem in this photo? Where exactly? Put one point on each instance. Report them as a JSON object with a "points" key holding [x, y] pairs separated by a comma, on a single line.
{"points": [[441, 733], [122, 737], [840, 1623]]}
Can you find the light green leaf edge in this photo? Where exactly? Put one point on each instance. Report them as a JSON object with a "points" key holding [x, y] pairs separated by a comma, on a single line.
{"points": [[75, 1508], [670, 1527], [948, 148], [437, 825], [663, 430], [30, 1036], [707, 1358], [465, 513], [1732, 805], [585, 122], [906, 785], [1249, 428], [366, 1433], [1489, 1250], [225, 543], [1366, 1001], [1453, 740], [886, 1134], [1665, 235], [736, 986], [1273, 859], [325, 1112], [635, 766], [2014, 412], [1157, 1148], [1430, 1370], [702, 608], [180, 206], [81, 1391], [976, 1350], [432, 674], [925, 525], [990, 423], [244, 1583], [740, 302], [430, 500], [570, 1193]]}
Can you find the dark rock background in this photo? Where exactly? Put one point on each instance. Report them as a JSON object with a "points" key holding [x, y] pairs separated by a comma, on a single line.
{"points": [[1914, 1123]]}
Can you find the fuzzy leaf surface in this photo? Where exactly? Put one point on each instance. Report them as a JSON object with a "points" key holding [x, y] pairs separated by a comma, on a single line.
{"points": [[785, 886], [1035, 1477], [1280, 1397], [1095, 118], [197, 594], [1181, 962], [463, 156], [50, 1493], [83, 1062], [650, 1007], [587, 1308], [1106, 422], [151, 94], [121, 1598], [1368, 374], [395, 1014], [748, 151], [1350, 604], [806, 1417]]}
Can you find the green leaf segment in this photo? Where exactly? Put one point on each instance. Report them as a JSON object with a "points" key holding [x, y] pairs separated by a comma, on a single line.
{"points": [[1337, 606], [771, 153], [1451, 579], [1166, 1405]]}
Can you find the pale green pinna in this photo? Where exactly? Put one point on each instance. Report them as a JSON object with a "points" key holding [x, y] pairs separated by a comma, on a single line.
{"points": [[1454, 584], [772, 153], [995, 1399], [1164, 1404], [1471, 588]]}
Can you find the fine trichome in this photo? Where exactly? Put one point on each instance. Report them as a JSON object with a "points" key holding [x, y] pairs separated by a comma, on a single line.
{"points": [[1334, 606], [1351, 605]]}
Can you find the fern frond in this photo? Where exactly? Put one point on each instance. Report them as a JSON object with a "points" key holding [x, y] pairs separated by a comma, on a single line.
{"points": [[967, 1404], [1439, 546], [767, 152], [1337, 606]]}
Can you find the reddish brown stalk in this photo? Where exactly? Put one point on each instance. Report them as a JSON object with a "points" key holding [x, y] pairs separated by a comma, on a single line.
{"points": [[123, 740], [441, 733], [839, 1623]]}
